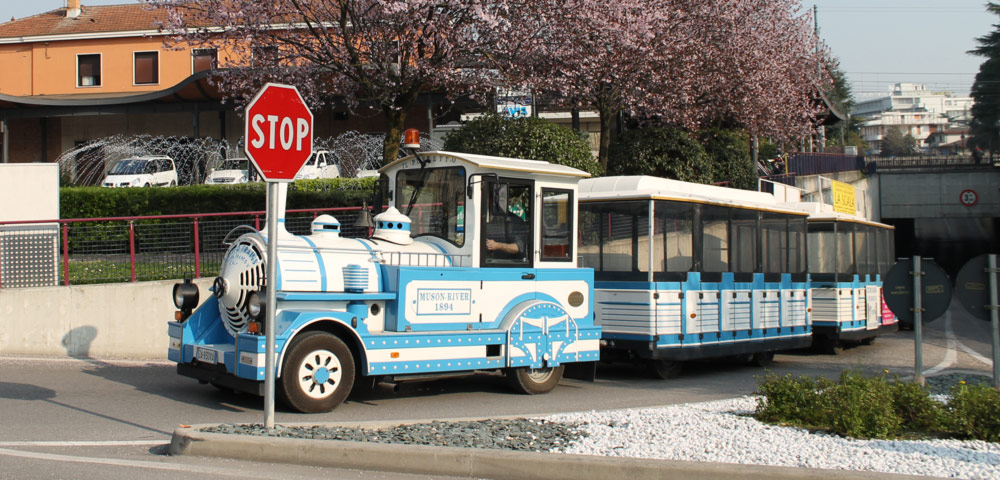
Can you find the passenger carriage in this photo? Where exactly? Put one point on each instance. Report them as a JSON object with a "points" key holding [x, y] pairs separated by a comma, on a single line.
{"points": [[686, 271], [428, 294]]}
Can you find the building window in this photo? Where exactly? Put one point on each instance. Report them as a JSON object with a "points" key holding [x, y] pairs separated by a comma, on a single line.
{"points": [[204, 59], [147, 68], [88, 70]]}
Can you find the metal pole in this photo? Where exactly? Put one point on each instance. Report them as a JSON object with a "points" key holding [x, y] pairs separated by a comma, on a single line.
{"points": [[918, 353], [992, 269], [271, 285]]}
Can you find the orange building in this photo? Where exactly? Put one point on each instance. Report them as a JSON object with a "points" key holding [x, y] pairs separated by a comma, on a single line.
{"points": [[81, 73]]}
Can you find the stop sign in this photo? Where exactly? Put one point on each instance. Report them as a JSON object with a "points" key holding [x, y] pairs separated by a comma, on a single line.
{"points": [[278, 132]]}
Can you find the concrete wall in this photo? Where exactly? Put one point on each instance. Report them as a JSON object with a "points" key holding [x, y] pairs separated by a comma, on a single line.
{"points": [[938, 195], [126, 320]]}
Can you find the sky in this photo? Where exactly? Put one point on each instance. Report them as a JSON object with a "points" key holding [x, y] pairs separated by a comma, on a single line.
{"points": [[878, 42]]}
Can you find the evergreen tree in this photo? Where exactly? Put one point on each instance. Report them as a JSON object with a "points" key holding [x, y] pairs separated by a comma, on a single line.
{"points": [[986, 89]]}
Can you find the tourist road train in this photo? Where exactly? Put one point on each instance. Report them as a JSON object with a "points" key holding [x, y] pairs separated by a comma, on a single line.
{"points": [[524, 267]]}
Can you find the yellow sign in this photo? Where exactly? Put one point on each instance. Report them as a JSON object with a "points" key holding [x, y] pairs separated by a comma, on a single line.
{"points": [[843, 197]]}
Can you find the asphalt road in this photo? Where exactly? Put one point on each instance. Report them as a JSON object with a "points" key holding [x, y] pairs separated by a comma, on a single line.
{"points": [[111, 419]]}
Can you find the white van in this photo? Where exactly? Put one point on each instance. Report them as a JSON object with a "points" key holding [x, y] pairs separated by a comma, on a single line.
{"points": [[321, 164], [229, 171], [147, 171]]}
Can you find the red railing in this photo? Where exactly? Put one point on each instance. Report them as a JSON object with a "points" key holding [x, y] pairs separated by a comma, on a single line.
{"points": [[130, 249]]}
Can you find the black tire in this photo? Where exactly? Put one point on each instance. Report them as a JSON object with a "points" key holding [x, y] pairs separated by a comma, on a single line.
{"points": [[763, 359], [665, 369], [317, 373], [534, 381], [172, 183], [825, 345], [867, 341]]}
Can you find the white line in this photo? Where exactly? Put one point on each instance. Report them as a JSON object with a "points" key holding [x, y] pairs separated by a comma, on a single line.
{"points": [[240, 473], [950, 354], [95, 443]]}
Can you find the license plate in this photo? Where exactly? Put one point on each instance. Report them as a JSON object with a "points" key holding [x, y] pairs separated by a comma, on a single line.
{"points": [[205, 355]]}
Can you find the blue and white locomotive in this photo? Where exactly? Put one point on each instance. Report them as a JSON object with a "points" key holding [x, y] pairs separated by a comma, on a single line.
{"points": [[472, 268]]}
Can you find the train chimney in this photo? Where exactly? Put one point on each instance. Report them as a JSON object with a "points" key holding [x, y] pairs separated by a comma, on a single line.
{"points": [[72, 8]]}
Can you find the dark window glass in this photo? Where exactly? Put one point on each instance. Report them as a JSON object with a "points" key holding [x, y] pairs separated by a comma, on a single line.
{"points": [[672, 237], [615, 236], [743, 244], [438, 197], [715, 246], [557, 225], [203, 59], [506, 220], [147, 68], [88, 70]]}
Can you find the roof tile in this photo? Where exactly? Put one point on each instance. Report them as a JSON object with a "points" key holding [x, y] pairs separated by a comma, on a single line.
{"points": [[92, 19]]}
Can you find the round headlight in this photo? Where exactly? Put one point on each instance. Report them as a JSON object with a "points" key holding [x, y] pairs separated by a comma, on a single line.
{"points": [[255, 305], [185, 295]]}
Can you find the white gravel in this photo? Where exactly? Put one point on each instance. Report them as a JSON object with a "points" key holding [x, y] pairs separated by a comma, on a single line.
{"points": [[721, 431]]}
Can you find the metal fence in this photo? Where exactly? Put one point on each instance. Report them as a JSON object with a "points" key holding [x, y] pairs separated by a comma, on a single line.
{"points": [[129, 249]]}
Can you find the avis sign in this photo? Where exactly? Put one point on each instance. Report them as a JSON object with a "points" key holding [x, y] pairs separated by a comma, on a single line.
{"points": [[279, 132]]}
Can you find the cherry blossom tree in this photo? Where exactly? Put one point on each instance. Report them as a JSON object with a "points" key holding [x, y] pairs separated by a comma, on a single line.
{"points": [[683, 62], [381, 52]]}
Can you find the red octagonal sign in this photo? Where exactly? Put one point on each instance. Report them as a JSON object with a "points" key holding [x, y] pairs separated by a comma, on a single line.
{"points": [[278, 132]]}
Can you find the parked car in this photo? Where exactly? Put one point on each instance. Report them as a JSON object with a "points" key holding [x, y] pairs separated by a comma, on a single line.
{"points": [[321, 164], [230, 171], [146, 171]]}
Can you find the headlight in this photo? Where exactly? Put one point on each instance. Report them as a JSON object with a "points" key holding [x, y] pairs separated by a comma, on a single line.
{"points": [[186, 295], [256, 305]]}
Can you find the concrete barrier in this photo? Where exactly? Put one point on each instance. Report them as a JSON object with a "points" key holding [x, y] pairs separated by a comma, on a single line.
{"points": [[124, 320]]}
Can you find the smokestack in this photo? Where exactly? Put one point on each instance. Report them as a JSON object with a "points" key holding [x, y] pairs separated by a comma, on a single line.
{"points": [[72, 8]]}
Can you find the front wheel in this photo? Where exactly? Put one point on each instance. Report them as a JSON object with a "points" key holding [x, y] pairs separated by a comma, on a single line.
{"points": [[534, 381], [317, 374], [665, 369]]}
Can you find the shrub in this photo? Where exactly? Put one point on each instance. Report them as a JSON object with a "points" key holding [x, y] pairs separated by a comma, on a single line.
{"points": [[862, 407], [915, 407], [662, 152], [530, 138], [729, 152], [974, 412], [791, 400]]}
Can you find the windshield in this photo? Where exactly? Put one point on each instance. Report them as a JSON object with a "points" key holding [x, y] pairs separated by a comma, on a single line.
{"points": [[129, 166], [439, 203]]}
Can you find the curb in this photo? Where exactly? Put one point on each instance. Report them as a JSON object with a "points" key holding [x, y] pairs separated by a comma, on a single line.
{"points": [[480, 463]]}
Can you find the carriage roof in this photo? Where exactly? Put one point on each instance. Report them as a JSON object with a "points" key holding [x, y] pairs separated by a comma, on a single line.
{"points": [[488, 162]]}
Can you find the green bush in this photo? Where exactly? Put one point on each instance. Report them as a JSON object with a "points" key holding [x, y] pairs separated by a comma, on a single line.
{"points": [[974, 412], [861, 407], [530, 138], [729, 151], [873, 407], [792, 401], [662, 152]]}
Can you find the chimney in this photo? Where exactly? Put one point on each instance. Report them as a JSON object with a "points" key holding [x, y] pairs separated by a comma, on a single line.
{"points": [[72, 8]]}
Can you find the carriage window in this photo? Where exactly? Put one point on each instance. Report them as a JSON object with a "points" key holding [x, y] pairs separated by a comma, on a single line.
{"points": [[715, 247], [557, 225], [743, 243], [672, 235], [774, 242], [845, 248], [611, 235], [822, 248], [796, 245], [863, 249], [438, 198]]}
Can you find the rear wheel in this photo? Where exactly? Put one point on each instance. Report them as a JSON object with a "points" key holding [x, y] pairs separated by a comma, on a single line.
{"points": [[534, 381], [317, 373], [664, 369], [867, 341]]}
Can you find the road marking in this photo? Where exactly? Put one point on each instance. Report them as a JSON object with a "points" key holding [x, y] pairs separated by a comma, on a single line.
{"points": [[93, 443], [950, 355], [204, 469]]}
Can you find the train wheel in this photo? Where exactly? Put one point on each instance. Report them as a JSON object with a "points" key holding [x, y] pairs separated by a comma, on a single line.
{"points": [[762, 359], [317, 374], [534, 381], [825, 345], [664, 369], [867, 341]]}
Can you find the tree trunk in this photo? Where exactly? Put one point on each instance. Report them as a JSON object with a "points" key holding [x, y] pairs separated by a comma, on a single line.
{"points": [[607, 117], [394, 121]]}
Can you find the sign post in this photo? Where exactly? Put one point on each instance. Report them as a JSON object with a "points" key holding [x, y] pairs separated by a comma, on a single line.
{"points": [[976, 289], [279, 132], [917, 291]]}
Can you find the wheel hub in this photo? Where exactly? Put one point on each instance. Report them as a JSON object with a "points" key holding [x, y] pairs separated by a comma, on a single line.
{"points": [[319, 374]]}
